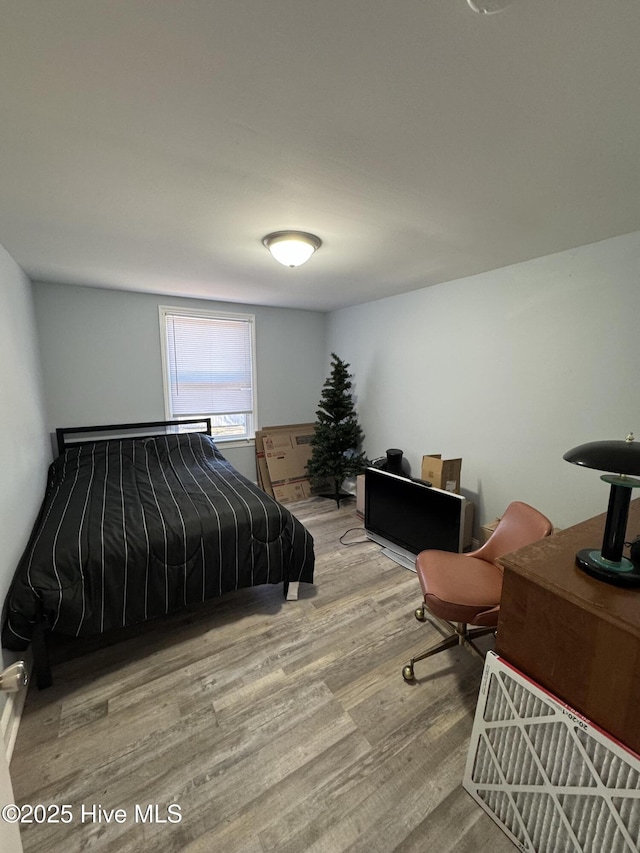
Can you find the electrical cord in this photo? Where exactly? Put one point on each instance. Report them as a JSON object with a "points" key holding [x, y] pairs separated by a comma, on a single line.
{"points": [[355, 541]]}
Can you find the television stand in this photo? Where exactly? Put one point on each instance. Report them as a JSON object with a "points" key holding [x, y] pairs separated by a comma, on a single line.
{"points": [[401, 559], [396, 553]]}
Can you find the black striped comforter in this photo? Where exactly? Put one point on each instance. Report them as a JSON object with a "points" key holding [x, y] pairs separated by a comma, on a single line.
{"points": [[134, 528]]}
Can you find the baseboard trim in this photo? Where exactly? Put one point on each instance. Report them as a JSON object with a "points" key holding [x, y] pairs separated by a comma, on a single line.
{"points": [[12, 713]]}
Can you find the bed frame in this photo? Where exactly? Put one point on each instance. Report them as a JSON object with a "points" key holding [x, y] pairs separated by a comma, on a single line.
{"points": [[146, 429]]}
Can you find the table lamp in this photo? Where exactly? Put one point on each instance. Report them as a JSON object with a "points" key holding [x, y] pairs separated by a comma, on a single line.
{"points": [[623, 458]]}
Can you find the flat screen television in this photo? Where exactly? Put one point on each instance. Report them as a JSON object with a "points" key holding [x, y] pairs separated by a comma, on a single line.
{"points": [[407, 516]]}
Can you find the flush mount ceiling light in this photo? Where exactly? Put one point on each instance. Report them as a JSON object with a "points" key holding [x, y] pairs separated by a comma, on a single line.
{"points": [[292, 248], [488, 7]]}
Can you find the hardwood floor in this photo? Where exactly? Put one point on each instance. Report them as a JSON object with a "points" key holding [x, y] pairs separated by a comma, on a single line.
{"points": [[273, 725]]}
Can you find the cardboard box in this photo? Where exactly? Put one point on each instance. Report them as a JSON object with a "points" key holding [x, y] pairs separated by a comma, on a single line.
{"points": [[282, 453], [287, 453], [294, 491], [487, 529], [360, 495], [261, 466], [442, 473], [264, 479]]}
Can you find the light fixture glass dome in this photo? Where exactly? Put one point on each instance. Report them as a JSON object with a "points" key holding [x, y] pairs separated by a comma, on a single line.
{"points": [[488, 7], [292, 248]]}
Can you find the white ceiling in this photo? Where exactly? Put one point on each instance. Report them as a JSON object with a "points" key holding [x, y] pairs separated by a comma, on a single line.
{"points": [[150, 144]]}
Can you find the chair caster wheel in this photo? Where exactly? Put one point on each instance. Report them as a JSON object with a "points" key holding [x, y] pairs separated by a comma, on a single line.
{"points": [[407, 673], [419, 614]]}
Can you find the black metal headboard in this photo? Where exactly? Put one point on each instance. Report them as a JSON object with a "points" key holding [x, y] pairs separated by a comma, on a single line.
{"points": [[147, 429]]}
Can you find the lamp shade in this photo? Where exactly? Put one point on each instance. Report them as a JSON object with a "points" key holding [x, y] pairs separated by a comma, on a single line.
{"points": [[621, 457], [292, 248]]}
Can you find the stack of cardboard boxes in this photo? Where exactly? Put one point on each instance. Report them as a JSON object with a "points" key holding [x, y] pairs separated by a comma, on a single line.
{"points": [[282, 453]]}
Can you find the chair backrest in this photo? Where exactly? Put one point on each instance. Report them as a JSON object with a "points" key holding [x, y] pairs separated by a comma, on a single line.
{"points": [[520, 525]]}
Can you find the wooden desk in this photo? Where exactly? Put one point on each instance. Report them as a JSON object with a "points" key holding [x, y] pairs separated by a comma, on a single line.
{"points": [[573, 634]]}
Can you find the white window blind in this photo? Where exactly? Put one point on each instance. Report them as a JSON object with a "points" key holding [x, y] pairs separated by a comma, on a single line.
{"points": [[209, 368]]}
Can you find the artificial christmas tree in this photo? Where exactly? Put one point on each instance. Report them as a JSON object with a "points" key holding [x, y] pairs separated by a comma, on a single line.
{"points": [[337, 438]]}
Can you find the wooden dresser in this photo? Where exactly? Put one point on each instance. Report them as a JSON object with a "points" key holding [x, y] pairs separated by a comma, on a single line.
{"points": [[576, 636]]}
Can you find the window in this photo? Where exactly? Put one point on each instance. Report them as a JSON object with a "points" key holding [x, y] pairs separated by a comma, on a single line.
{"points": [[209, 369]]}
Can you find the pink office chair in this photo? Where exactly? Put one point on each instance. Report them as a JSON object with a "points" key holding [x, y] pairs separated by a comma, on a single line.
{"points": [[465, 589]]}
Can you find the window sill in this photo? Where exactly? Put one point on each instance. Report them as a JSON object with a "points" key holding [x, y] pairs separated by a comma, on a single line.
{"points": [[234, 442]]}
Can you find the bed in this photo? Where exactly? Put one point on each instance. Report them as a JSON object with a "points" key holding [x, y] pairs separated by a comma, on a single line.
{"points": [[140, 520]]}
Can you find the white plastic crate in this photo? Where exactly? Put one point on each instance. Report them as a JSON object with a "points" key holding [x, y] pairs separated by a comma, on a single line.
{"points": [[551, 779]]}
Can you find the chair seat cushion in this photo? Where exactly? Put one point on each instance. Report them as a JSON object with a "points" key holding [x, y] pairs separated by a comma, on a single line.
{"points": [[460, 588]]}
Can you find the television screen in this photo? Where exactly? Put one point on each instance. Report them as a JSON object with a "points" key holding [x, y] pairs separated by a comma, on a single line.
{"points": [[408, 516]]}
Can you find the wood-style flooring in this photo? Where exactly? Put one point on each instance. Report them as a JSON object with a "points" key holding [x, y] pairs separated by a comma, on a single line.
{"points": [[275, 727]]}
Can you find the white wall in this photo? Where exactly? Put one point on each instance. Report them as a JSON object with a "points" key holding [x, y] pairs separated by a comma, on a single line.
{"points": [[508, 369], [101, 359], [24, 446]]}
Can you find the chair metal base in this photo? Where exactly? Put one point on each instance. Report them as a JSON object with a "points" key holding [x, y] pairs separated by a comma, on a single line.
{"points": [[459, 634]]}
